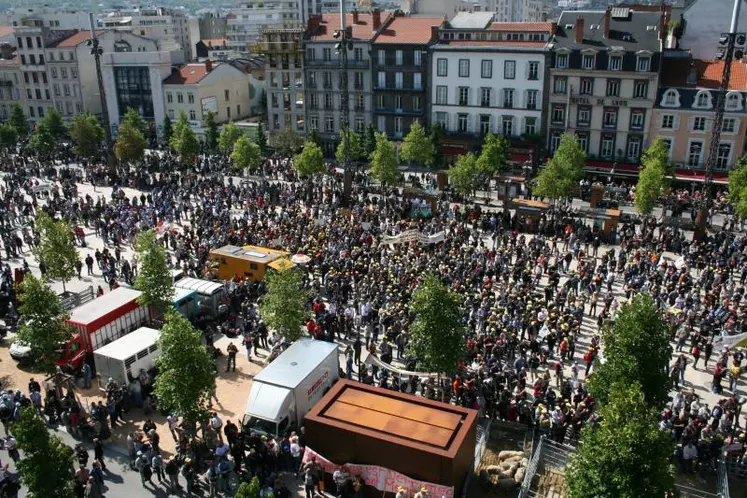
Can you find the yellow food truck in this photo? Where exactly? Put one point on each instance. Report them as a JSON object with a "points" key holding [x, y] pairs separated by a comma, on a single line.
{"points": [[247, 262]]}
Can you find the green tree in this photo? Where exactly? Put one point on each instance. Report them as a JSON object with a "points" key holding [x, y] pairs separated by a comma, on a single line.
{"points": [[369, 141], [211, 131], [738, 187], [44, 327], [417, 146], [154, 278], [493, 157], [636, 349], [246, 154], [563, 172], [56, 247], [130, 144], [314, 137], [383, 162], [167, 129], [183, 141], [463, 174], [249, 489], [42, 141], [53, 122], [229, 133], [288, 142], [437, 331], [261, 139], [284, 306], [310, 161], [652, 179], [8, 136], [46, 468], [263, 105], [18, 121], [355, 150], [134, 119], [436, 135], [87, 134], [625, 455], [186, 370]]}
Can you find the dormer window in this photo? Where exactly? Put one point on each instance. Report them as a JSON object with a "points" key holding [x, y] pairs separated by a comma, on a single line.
{"points": [[733, 101], [588, 61], [671, 98], [616, 62], [561, 61], [643, 64], [703, 100]]}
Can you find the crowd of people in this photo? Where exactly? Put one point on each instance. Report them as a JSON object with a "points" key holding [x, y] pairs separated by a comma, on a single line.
{"points": [[534, 304]]}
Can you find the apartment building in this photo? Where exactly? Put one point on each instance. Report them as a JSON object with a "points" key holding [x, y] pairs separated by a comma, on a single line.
{"points": [[323, 72], [683, 114], [503, 10], [604, 80], [49, 17], [401, 76], [488, 77], [12, 91], [197, 89], [245, 22], [282, 49]]}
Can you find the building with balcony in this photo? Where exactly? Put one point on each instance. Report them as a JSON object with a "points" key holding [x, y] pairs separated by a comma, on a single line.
{"points": [[282, 49], [684, 110], [11, 81], [323, 71], [245, 22], [604, 80], [49, 17], [401, 73], [197, 89], [488, 77]]}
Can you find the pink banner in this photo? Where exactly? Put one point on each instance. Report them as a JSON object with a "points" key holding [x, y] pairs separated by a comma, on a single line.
{"points": [[381, 478]]}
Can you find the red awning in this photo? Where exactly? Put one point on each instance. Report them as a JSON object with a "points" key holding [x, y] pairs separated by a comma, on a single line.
{"points": [[518, 157], [452, 151], [689, 175], [606, 167]]}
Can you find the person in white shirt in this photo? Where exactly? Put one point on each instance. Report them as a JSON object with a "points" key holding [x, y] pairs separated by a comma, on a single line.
{"points": [[217, 424], [689, 454]]}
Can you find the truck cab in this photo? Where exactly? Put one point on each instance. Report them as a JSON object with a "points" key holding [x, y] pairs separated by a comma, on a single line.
{"points": [[272, 409]]}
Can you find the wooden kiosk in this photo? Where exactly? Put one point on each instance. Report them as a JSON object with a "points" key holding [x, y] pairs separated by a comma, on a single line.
{"points": [[247, 262]]}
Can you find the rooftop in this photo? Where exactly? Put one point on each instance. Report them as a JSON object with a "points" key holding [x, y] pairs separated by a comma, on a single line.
{"points": [[76, 39], [629, 29], [675, 73], [103, 305], [471, 20], [492, 43], [362, 30], [215, 42], [250, 253], [521, 26], [188, 74], [6, 31], [409, 30]]}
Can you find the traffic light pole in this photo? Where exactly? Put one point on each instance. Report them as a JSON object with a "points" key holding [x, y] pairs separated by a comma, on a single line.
{"points": [[701, 222]]}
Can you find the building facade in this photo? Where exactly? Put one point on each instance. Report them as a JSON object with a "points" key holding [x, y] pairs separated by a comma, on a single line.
{"points": [[401, 74], [12, 91], [683, 115], [245, 22], [604, 80], [323, 70], [489, 79], [197, 89], [49, 17]]}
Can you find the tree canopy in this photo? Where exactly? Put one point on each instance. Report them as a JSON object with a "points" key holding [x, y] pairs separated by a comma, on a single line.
{"points": [[564, 171], [52, 120], [355, 147], [183, 140], [42, 141], [738, 187], [652, 179], [463, 174], [417, 146], [56, 247], [229, 133], [493, 157], [246, 154], [44, 327], [167, 129], [310, 161], [437, 332], [284, 306], [130, 144], [47, 466], [626, 455], [288, 142], [87, 134], [636, 349], [186, 370], [134, 119], [211, 131], [154, 278], [8, 135], [18, 121], [383, 161]]}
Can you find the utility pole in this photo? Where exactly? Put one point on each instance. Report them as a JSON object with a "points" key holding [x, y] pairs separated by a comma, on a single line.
{"points": [[96, 51], [342, 48], [727, 54]]}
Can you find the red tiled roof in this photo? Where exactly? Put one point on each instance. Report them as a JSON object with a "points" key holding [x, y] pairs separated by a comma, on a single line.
{"points": [[521, 26], [362, 30], [675, 72], [409, 30], [188, 74], [76, 39], [215, 42], [491, 43], [6, 31]]}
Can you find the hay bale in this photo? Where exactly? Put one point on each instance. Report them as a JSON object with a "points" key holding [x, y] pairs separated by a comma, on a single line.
{"points": [[519, 476], [505, 454]]}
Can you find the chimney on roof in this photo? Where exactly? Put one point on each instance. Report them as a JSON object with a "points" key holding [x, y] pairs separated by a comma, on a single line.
{"points": [[607, 23], [208, 66], [355, 16], [692, 74], [553, 28], [579, 29], [662, 27], [434, 33], [376, 16]]}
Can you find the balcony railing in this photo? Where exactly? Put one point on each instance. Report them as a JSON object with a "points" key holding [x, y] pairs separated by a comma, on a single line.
{"points": [[352, 64], [275, 47]]}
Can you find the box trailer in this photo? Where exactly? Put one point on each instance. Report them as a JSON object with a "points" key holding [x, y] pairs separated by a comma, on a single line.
{"points": [[185, 302], [100, 322], [209, 294], [123, 359], [286, 389]]}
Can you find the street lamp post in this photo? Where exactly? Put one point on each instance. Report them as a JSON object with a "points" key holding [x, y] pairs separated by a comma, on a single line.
{"points": [[97, 51]]}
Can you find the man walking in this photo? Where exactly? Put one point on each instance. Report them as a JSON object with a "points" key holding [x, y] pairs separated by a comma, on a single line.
{"points": [[232, 350]]}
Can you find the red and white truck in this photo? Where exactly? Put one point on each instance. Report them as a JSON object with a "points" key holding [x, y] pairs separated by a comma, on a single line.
{"points": [[101, 321]]}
